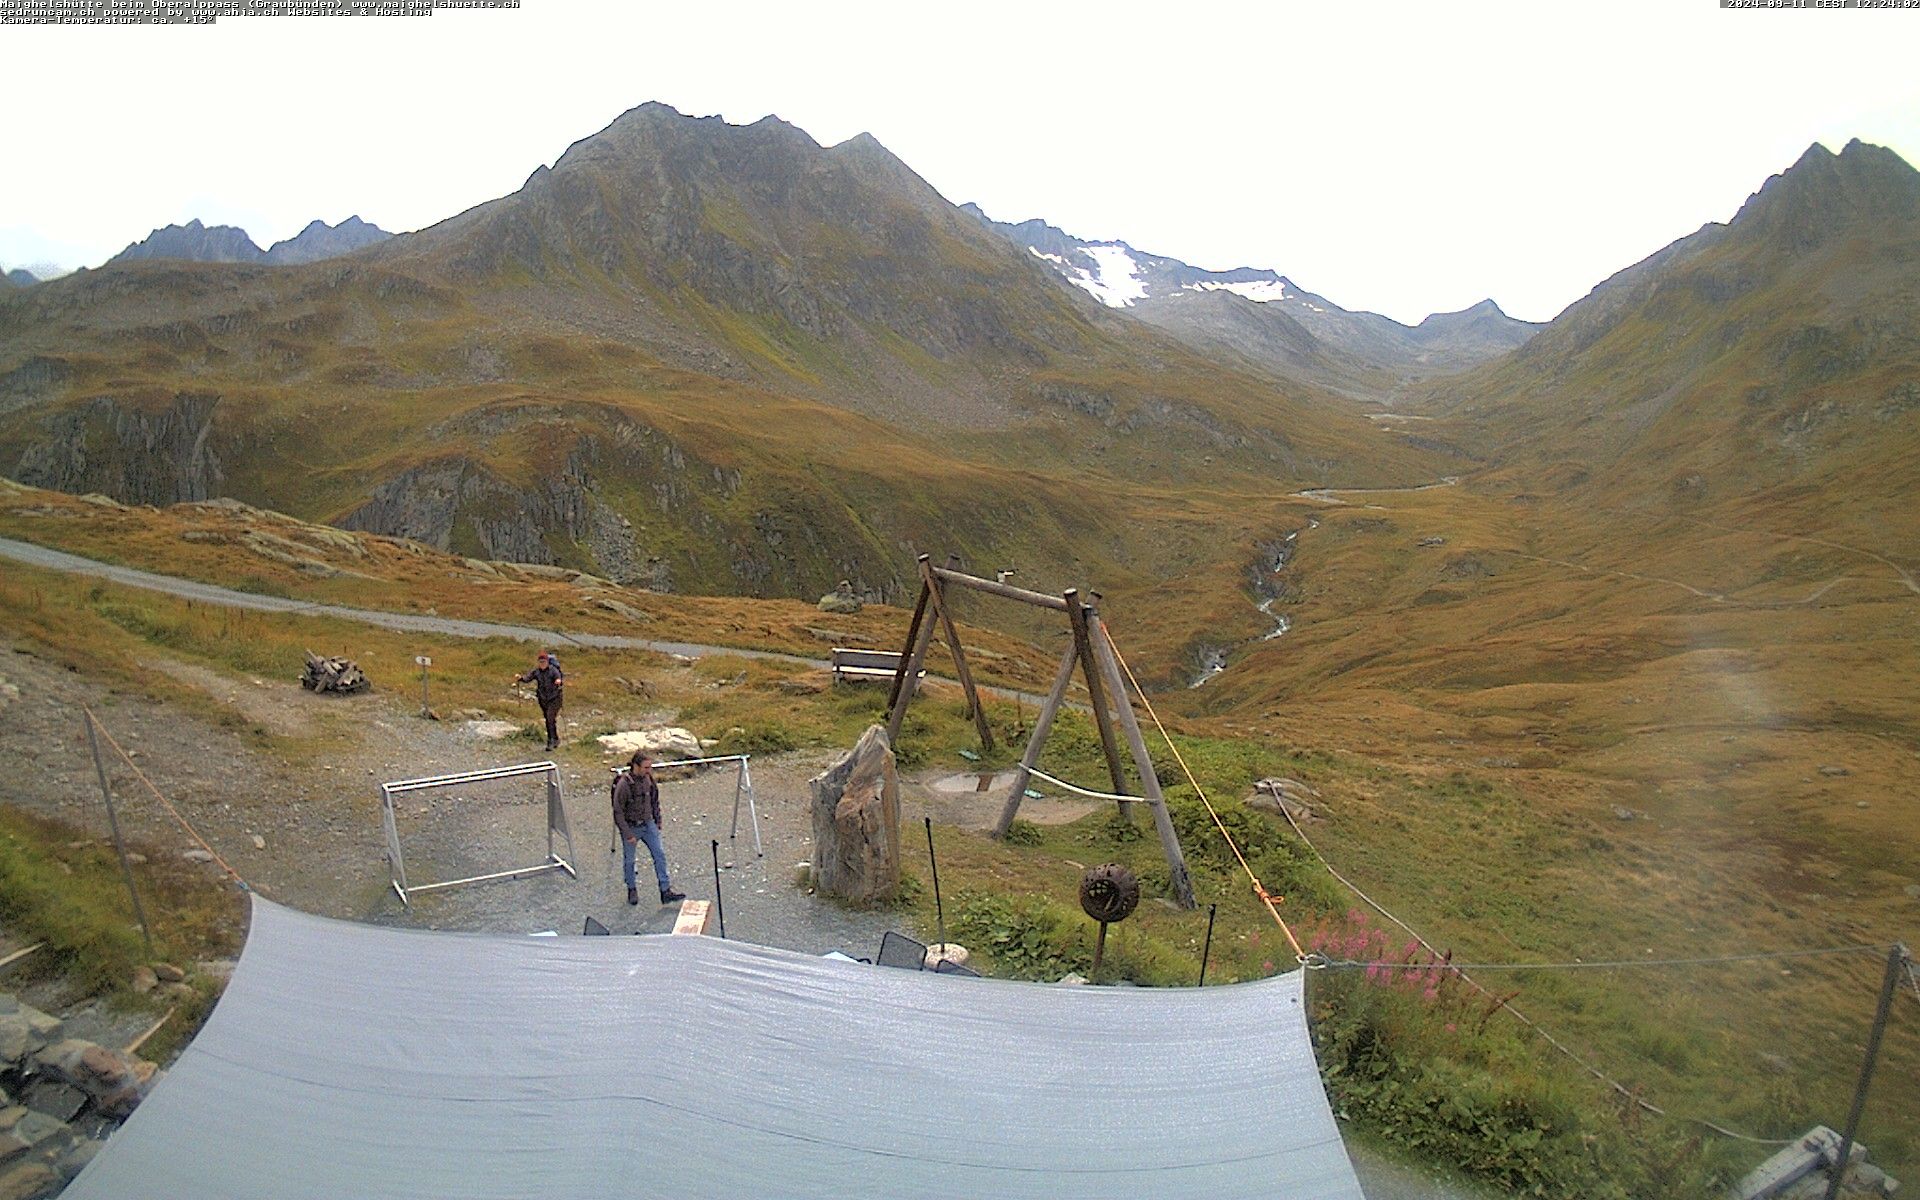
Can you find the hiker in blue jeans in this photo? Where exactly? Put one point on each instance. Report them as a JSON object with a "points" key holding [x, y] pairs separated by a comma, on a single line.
{"points": [[636, 813]]}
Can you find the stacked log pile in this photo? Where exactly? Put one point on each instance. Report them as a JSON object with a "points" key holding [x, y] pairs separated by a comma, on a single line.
{"points": [[333, 675]]}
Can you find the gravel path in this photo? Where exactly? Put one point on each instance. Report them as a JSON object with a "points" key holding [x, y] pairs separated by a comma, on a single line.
{"points": [[207, 593]]}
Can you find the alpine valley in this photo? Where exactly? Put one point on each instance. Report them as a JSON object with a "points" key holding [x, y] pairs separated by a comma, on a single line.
{"points": [[1598, 635]]}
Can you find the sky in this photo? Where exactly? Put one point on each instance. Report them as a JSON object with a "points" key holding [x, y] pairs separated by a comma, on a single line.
{"points": [[1401, 157]]}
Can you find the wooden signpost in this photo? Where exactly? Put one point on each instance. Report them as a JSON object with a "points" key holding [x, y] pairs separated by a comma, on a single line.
{"points": [[1090, 650]]}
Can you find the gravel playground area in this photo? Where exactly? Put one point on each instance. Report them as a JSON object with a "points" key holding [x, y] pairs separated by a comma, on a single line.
{"points": [[499, 826]]}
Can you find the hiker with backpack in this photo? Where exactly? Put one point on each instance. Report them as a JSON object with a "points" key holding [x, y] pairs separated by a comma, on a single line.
{"points": [[636, 814], [547, 679]]}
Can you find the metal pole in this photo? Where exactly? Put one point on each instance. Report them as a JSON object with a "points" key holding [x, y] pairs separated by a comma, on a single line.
{"points": [[719, 901], [939, 913], [119, 847], [1207, 949], [1099, 952], [1896, 958]]}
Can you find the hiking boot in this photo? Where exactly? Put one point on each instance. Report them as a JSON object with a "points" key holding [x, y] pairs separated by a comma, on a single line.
{"points": [[633, 895], [669, 896]]}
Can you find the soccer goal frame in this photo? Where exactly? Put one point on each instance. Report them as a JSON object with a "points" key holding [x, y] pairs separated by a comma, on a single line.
{"points": [[742, 790], [556, 824]]}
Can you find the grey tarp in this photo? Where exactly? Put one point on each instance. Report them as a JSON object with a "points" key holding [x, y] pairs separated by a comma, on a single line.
{"points": [[355, 1061]]}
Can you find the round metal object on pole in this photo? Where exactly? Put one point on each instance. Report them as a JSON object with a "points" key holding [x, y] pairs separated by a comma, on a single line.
{"points": [[1108, 893]]}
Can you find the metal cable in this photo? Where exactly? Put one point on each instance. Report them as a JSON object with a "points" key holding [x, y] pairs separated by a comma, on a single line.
{"points": [[1077, 790], [142, 777], [1332, 964], [1259, 889], [1502, 1003]]}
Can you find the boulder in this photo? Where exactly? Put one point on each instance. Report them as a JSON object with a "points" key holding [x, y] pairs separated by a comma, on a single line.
{"points": [[111, 1078], [23, 1030], [856, 822], [841, 600], [1284, 797], [662, 743], [25, 1180]]}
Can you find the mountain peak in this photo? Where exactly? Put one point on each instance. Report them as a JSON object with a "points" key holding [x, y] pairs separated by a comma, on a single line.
{"points": [[195, 241], [320, 240], [1823, 192]]}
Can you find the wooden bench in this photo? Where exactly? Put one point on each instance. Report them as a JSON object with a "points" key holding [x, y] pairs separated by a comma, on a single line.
{"points": [[849, 663]]}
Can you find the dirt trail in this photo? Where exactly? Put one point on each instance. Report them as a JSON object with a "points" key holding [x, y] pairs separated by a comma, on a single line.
{"points": [[207, 593]]}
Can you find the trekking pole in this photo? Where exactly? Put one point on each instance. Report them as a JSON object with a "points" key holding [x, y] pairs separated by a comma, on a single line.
{"points": [[719, 901], [1208, 948], [939, 913]]}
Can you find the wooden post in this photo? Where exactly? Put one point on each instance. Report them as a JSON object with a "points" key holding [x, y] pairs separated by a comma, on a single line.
{"points": [[913, 635], [974, 707], [1077, 617], [119, 847], [904, 682], [1177, 876], [1042, 725]]}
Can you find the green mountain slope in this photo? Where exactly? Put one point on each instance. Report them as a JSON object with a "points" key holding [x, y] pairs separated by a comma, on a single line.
{"points": [[690, 354], [1772, 363]]}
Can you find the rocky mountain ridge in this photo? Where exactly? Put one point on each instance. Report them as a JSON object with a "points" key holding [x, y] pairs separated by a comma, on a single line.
{"points": [[195, 242]]}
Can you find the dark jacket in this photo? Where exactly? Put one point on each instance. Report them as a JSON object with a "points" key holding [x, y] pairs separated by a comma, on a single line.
{"points": [[545, 681], [636, 800]]}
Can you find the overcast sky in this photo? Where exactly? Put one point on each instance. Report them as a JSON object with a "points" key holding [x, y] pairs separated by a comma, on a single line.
{"points": [[1405, 158]]}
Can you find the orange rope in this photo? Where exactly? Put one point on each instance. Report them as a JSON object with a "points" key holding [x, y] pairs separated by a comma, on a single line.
{"points": [[1259, 889], [142, 777]]}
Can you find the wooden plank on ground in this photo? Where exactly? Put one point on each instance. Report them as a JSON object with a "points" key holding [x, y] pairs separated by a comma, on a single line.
{"points": [[693, 916]]}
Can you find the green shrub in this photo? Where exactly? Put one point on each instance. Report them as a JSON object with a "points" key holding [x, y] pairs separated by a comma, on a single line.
{"points": [[1022, 833], [756, 737]]}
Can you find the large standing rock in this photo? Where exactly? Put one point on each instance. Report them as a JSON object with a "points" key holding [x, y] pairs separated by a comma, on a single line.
{"points": [[856, 822]]}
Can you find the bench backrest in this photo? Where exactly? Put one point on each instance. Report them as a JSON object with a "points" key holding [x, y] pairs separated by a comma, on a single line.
{"points": [[844, 656]]}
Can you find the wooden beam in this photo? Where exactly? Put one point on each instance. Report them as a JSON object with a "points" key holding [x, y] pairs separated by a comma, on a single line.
{"points": [[1005, 591], [909, 677], [974, 707], [1077, 617], [1041, 726], [913, 635], [1177, 876]]}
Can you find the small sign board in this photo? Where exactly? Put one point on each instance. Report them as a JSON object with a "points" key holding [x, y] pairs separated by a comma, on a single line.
{"points": [[422, 660]]}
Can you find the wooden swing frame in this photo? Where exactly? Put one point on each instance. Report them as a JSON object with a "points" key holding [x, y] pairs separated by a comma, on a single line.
{"points": [[1090, 650]]}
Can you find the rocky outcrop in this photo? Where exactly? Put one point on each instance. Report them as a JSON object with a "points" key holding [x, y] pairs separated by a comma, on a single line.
{"points": [[458, 505], [129, 448], [841, 600], [856, 823], [664, 743], [59, 1098]]}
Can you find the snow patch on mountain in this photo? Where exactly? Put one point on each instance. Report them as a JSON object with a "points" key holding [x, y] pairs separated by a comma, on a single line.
{"points": [[1037, 252], [1115, 281], [1260, 291]]}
